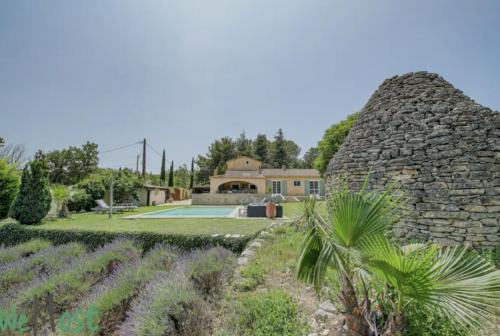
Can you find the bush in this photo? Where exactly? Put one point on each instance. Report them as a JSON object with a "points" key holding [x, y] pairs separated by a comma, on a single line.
{"points": [[210, 269], [78, 200], [255, 272], [420, 323], [245, 284], [13, 234], [32, 203], [273, 313], [169, 305], [13, 253], [9, 186]]}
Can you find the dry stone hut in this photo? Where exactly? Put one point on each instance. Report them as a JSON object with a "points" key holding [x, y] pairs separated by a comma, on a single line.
{"points": [[441, 146]]}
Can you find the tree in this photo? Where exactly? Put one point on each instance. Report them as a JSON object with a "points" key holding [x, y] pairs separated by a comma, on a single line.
{"points": [[310, 156], [219, 152], [332, 140], [9, 186], [260, 146], [171, 175], [163, 175], [244, 145], [191, 178], [61, 195], [182, 177], [462, 286], [71, 165], [280, 155], [33, 200], [14, 154]]}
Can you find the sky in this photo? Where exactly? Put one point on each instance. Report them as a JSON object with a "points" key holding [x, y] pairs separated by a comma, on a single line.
{"points": [[183, 73]]}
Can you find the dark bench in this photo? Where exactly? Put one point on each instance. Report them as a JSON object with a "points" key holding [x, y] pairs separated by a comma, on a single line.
{"points": [[259, 210]]}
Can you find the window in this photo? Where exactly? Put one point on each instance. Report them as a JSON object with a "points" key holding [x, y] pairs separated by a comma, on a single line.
{"points": [[276, 187], [314, 187], [296, 183]]}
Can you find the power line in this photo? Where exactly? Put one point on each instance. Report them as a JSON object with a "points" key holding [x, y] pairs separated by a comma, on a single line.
{"points": [[122, 147], [154, 150]]}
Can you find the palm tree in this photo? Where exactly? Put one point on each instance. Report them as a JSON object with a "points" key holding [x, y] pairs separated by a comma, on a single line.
{"points": [[60, 194], [460, 284]]}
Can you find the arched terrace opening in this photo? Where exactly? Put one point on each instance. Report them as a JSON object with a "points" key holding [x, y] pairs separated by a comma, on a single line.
{"points": [[237, 187]]}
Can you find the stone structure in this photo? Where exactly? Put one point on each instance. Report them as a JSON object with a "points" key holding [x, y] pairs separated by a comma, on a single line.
{"points": [[442, 147]]}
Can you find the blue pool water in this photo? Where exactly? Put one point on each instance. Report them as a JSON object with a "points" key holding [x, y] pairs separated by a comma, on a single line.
{"points": [[192, 212]]}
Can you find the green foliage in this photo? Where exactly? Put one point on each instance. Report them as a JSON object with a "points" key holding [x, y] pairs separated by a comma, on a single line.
{"points": [[60, 194], [210, 269], [71, 165], [428, 323], [310, 156], [332, 140], [9, 186], [12, 234], [273, 313], [244, 145], [78, 201], [171, 175], [462, 286], [214, 161], [33, 200], [255, 272], [182, 177], [163, 174], [279, 154], [10, 254], [191, 176], [260, 146]]}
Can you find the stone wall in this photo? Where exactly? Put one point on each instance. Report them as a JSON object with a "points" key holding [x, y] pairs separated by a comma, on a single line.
{"points": [[442, 147]]}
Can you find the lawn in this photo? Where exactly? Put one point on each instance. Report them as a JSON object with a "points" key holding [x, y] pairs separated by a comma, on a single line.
{"points": [[185, 226]]}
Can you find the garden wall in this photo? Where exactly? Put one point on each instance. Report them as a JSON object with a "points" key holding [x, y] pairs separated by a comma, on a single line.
{"points": [[442, 147]]}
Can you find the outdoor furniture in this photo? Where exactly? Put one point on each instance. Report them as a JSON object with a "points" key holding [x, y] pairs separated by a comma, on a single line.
{"points": [[102, 207], [259, 210]]}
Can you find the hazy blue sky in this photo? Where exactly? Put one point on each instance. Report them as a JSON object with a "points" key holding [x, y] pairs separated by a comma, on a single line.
{"points": [[183, 73]]}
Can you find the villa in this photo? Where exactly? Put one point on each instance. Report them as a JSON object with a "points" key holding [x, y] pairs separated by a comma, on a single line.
{"points": [[246, 181]]}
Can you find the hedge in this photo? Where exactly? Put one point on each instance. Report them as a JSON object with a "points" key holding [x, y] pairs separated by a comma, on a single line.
{"points": [[14, 233]]}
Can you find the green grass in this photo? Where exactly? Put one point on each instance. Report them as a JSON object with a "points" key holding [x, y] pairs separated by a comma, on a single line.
{"points": [[185, 226]]}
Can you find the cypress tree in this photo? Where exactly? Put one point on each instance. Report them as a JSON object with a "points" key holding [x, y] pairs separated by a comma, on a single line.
{"points": [[171, 175], [191, 181], [260, 148], [32, 203], [163, 174]]}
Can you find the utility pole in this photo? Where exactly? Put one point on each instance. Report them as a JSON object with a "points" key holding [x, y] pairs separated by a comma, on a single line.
{"points": [[144, 159], [137, 164]]}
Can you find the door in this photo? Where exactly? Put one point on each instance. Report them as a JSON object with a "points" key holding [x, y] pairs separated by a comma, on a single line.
{"points": [[276, 187]]}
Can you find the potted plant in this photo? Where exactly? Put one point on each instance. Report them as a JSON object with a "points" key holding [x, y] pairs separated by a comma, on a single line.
{"points": [[270, 206]]}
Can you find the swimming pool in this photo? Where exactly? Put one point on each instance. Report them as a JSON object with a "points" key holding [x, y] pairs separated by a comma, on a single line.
{"points": [[192, 212]]}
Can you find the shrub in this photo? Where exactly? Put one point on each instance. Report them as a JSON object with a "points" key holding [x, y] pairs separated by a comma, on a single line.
{"points": [[112, 297], [72, 282], [9, 186], [421, 323], [210, 269], [12, 234], [169, 305], [60, 194], [78, 200], [37, 266], [13, 253], [33, 200], [245, 284], [255, 272], [272, 313]]}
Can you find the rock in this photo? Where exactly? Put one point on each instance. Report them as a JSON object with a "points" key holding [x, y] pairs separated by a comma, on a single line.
{"points": [[321, 315], [255, 244], [242, 261], [248, 253], [328, 307], [324, 332]]}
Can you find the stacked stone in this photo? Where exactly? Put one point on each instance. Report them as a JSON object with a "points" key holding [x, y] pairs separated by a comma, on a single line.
{"points": [[442, 147]]}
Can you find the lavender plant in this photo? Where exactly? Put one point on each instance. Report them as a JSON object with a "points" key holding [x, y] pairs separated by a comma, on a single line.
{"points": [[169, 305], [13, 253]]}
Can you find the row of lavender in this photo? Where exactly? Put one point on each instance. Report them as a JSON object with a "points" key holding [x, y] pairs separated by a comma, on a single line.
{"points": [[115, 289]]}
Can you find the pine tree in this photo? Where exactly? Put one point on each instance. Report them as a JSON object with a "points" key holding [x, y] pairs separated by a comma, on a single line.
{"points": [[171, 175], [191, 181], [163, 174], [32, 203], [280, 151], [261, 147], [244, 145]]}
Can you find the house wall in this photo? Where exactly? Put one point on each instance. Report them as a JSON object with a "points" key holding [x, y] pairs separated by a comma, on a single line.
{"points": [[288, 188], [157, 196], [243, 163], [226, 199]]}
